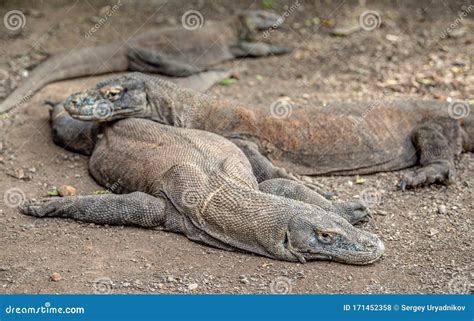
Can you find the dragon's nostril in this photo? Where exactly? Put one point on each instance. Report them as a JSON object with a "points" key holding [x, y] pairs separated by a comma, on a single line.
{"points": [[370, 247]]}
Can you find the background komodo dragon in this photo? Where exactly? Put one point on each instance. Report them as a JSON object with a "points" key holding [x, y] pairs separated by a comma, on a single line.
{"points": [[173, 51], [80, 136], [340, 138], [202, 185]]}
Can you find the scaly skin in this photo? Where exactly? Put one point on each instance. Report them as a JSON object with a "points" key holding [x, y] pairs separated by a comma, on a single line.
{"points": [[173, 51], [202, 185], [340, 138]]}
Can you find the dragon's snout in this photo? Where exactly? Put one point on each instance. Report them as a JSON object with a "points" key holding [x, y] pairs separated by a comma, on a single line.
{"points": [[88, 106]]}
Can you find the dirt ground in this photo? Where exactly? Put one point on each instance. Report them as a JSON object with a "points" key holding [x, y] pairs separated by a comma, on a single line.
{"points": [[427, 232]]}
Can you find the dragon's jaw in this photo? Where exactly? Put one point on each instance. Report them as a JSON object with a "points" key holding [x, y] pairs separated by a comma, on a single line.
{"points": [[330, 237]]}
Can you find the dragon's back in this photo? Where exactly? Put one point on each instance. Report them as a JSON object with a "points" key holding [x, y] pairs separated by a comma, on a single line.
{"points": [[136, 154], [339, 138]]}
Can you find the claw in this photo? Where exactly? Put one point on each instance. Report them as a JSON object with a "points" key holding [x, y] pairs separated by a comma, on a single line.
{"points": [[403, 185]]}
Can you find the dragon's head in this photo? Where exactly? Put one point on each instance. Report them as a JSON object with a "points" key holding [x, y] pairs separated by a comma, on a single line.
{"points": [[252, 21], [328, 236], [113, 99]]}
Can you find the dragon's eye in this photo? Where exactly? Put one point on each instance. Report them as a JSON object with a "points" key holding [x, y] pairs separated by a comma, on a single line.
{"points": [[326, 238], [112, 93]]}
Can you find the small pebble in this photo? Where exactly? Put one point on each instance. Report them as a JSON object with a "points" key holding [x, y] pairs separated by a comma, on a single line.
{"points": [[244, 280], [66, 190], [442, 209], [56, 277], [192, 286]]}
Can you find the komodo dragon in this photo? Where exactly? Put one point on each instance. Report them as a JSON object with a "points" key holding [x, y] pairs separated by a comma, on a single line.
{"points": [[202, 185], [79, 136], [173, 51], [339, 139]]}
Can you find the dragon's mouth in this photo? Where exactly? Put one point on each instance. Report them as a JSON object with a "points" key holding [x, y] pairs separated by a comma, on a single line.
{"points": [[348, 256]]}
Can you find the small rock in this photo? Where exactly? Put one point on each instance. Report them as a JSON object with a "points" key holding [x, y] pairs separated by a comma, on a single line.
{"points": [[345, 31], [243, 279], [56, 277], [18, 173], [442, 209], [433, 231], [192, 286], [458, 32], [393, 38], [66, 190]]}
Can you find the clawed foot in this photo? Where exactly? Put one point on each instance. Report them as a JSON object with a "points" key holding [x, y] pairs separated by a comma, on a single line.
{"points": [[353, 212], [40, 208], [441, 172]]}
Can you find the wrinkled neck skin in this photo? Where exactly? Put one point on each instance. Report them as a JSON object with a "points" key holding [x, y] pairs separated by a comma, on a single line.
{"points": [[170, 105]]}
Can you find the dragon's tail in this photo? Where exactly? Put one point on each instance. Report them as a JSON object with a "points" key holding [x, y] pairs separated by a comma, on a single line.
{"points": [[74, 63]]}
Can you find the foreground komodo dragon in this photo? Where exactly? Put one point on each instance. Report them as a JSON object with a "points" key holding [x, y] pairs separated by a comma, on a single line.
{"points": [[173, 51], [202, 185], [340, 138]]}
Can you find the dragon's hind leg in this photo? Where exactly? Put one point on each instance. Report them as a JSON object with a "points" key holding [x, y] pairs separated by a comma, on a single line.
{"points": [[436, 143], [136, 208], [353, 212], [263, 169]]}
